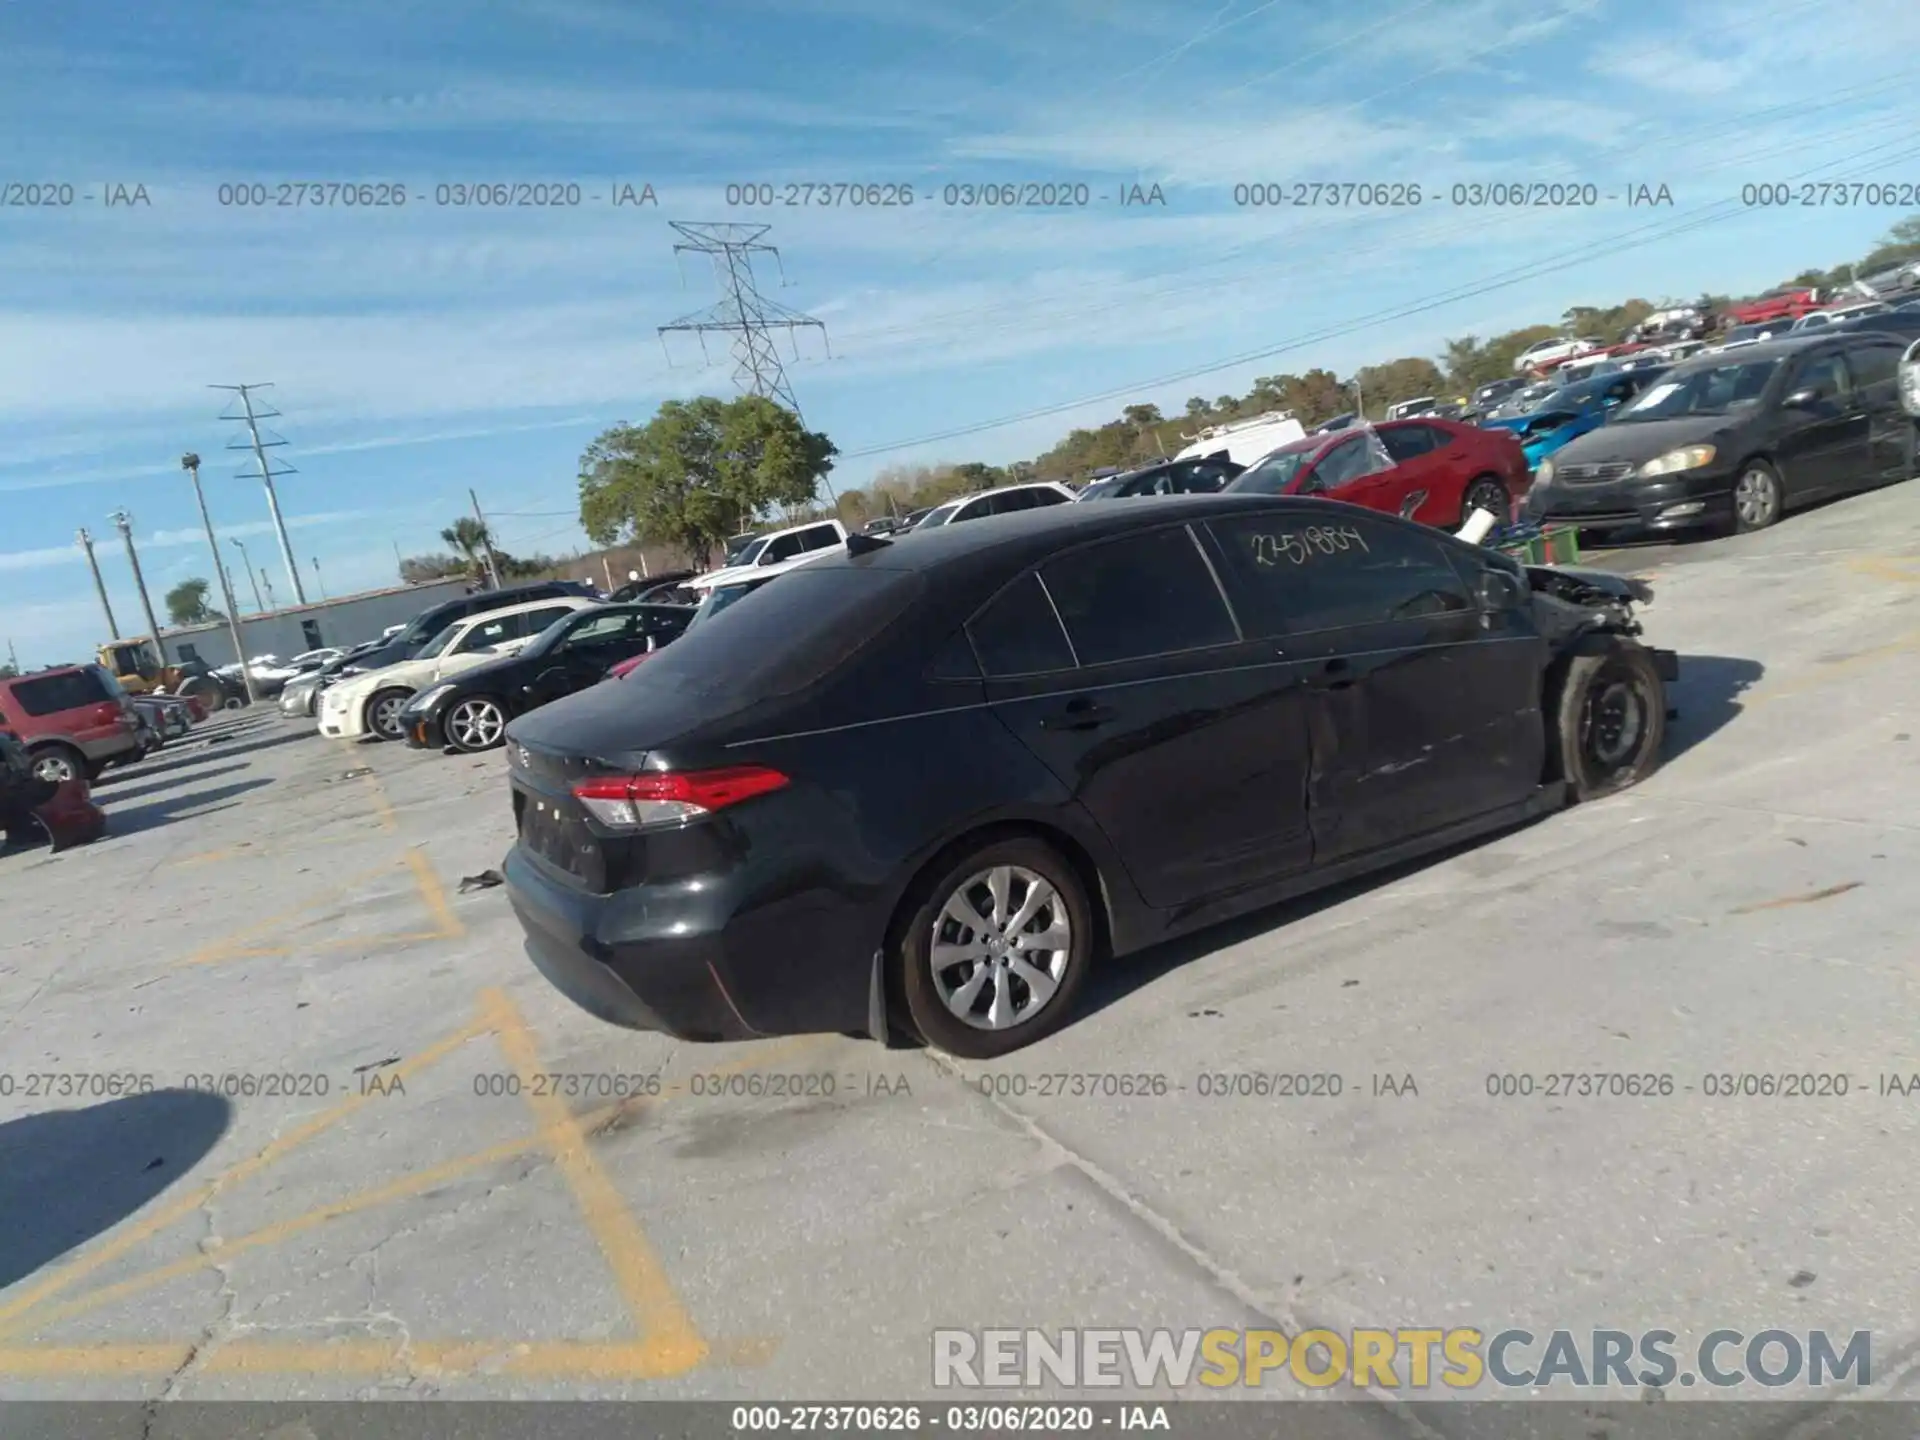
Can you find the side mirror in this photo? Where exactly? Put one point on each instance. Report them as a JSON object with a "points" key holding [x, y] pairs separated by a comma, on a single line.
{"points": [[1497, 590]]}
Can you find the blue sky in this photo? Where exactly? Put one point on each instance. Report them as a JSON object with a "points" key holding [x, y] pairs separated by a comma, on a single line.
{"points": [[419, 351]]}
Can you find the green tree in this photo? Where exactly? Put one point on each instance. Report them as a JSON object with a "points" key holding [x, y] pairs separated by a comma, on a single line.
{"points": [[688, 476], [187, 603], [468, 536]]}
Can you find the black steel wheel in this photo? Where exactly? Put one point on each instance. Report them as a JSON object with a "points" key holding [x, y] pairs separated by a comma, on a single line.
{"points": [[1611, 720]]}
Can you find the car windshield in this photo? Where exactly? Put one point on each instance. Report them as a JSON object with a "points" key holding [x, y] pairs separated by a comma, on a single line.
{"points": [[1273, 474], [750, 552], [438, 644], [938, 516], [1100, 489], [555, 634], [1709, 390]]}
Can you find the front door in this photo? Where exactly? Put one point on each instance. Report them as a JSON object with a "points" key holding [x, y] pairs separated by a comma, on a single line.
{"points": [[1391, 643], [1186, 745]]}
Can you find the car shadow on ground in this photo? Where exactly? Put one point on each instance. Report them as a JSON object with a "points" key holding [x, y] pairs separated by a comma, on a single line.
{"points": [[120, 794], [69, 1175], [155, 813], [1706, 697], [210, 748]]}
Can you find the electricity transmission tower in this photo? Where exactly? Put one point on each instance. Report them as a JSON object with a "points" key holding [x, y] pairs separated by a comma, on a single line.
{"points": [[743, 312], [267, 471]]}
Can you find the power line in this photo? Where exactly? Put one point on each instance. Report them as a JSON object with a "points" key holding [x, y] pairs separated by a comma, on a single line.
{"points": [[1709, 215]]}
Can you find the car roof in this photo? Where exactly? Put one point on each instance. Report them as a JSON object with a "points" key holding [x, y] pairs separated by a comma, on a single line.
{"points": [[479, 617], [1030, 535], [1776, 347]]}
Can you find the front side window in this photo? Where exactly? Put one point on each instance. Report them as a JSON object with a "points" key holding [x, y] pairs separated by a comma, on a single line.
{"points": [[1150, 594], [1825, 376], [1292, 576]]}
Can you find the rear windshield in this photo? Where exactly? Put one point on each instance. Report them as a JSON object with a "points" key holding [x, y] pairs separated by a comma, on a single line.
{"points": [[68, 690], [784, 637]]}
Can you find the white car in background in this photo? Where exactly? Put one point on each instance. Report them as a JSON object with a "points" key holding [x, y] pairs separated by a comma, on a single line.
{"points": [[1543, 354], [370, 704], [1003, 501]]}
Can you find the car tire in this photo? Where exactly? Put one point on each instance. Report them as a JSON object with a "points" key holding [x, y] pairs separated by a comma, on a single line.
{"points": [[58, 763], [1764, 500], [1485, 492], [938, 997], [382, 714], [473, 724], [1610, 720]]}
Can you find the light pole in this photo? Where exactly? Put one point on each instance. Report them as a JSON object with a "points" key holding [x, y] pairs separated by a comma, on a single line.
{"points": [[253, 579], [318, 582], [190, 463]]}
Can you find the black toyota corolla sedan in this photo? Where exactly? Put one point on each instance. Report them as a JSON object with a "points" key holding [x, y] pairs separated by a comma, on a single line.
{"points": [[919, 790], [470, 712]]}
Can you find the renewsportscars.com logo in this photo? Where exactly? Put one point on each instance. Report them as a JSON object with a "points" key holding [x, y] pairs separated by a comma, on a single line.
{"points": [[1404, 1359]]}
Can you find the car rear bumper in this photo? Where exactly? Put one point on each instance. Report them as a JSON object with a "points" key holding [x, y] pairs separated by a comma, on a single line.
{"points": [[648, 980], [746, 948]]}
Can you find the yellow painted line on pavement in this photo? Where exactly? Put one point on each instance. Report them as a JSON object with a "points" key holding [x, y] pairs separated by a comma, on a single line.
{"points": [[670, 1340], [68, 1275], [434, 894], [591, 1123]]}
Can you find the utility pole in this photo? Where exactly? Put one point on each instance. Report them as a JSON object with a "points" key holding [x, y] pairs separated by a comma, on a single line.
{"points": [[486, 541], [319, 584], [267, 580], [190, 463], [744, 313], [267, 472], [125, 523], [86, 544], [247, 561]]}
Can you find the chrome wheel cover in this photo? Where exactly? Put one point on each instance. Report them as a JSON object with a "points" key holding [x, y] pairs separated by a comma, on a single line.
{"points": [[1756, 498], [384, 717], [1001, 944]]}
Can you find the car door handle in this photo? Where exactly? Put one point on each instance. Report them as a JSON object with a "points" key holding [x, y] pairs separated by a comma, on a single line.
{"points": [[1335, 674], [1079, 715]]}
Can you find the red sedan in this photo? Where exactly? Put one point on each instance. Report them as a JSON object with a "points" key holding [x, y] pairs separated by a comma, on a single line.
{"points": [[1431, 470]]}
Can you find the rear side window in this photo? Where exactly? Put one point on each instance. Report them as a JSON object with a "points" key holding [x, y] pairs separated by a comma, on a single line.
{"points": [[68, 690], [1290, 577], [532, 622], [1045, 497], [1018, 633], [1874, 364], [783, 637], [1012, 500], [1150, 594]]}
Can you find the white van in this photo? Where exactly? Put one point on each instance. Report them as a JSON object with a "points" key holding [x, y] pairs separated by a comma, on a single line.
{"points": [[1245, 441]]}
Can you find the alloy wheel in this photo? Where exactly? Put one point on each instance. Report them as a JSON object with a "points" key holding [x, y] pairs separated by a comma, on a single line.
{"points": [[476, 724], [55, 768], [1755, 499], [1001, 945], [1492, 498], [384, 718]]}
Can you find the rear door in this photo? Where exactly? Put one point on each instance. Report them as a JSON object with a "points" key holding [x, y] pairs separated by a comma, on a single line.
{"points": [[1874, 365], [1119, 664]]}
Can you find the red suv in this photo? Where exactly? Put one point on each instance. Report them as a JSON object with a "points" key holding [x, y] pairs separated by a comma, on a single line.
{"points": [[1431, 470], [74, 721]]}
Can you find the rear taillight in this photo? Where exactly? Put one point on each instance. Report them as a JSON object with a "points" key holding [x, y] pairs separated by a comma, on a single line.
{"points": [[637, 802]]}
